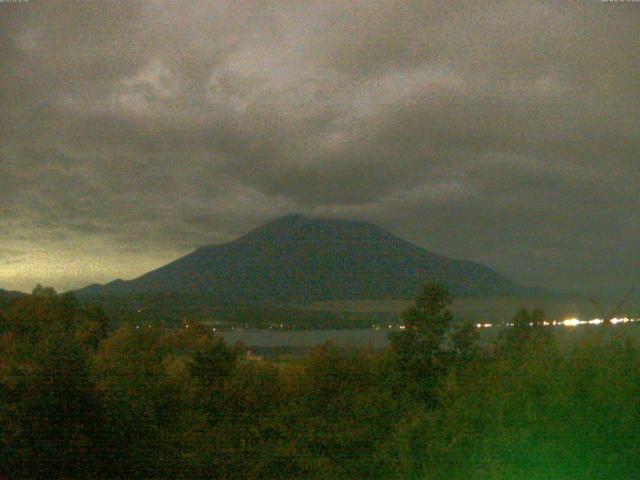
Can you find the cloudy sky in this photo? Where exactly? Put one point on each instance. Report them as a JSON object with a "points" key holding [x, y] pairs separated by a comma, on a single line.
{"points": [[503, 132]]}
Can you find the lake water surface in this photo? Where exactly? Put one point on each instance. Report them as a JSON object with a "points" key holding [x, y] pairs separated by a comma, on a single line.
{"points": [[375, 339], [378, 338]]}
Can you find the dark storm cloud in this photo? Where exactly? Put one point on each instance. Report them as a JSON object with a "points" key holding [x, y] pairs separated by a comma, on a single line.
{"points": [[505, 132]]}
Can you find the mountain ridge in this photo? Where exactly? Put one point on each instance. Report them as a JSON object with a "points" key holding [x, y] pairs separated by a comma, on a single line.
{"points": [[296, 258]]}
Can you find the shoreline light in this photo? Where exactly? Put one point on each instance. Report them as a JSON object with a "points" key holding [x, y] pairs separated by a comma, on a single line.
{"points": [[569, 322]]}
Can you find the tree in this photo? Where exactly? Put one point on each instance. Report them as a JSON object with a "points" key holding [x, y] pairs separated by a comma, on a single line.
{"points": [[420, 348], [347, 413], [526, 328], [44, 292], [210, 367], [464, 341], [47, 404]]}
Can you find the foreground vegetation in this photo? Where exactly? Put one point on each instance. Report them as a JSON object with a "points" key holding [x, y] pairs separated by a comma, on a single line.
{"points": [[78, 400]]}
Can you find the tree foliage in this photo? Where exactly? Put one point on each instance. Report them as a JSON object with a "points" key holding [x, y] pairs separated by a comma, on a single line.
{"points": [[430, 343], [79, 400]]}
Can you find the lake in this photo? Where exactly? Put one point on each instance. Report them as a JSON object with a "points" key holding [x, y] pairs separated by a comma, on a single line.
{"points": [[273, 342], [305, 339]]}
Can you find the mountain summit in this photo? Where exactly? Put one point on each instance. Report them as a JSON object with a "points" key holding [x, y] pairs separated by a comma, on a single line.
{"points": [[300, 259]]}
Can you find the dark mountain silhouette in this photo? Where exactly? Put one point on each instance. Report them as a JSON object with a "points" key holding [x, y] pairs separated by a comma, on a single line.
{"points": [[11, 294], [8, 297], [300, 259]]}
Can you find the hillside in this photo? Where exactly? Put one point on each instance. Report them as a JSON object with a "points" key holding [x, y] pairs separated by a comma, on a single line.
{"points": [[8, 297]]}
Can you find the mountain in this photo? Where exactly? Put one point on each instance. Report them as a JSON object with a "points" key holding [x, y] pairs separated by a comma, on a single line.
{"points": [[301, 259], [11, 294], [8, 297]]}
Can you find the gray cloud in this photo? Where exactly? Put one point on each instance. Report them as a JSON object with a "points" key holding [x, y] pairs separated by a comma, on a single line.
{"points": [[501, 132]]}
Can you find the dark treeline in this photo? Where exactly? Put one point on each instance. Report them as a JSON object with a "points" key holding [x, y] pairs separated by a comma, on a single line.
{"points": [[171, 310], [80, 400]]}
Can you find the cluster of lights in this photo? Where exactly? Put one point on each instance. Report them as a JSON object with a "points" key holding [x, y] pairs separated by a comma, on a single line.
{"points": [[138, 326], [570, 322]]}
